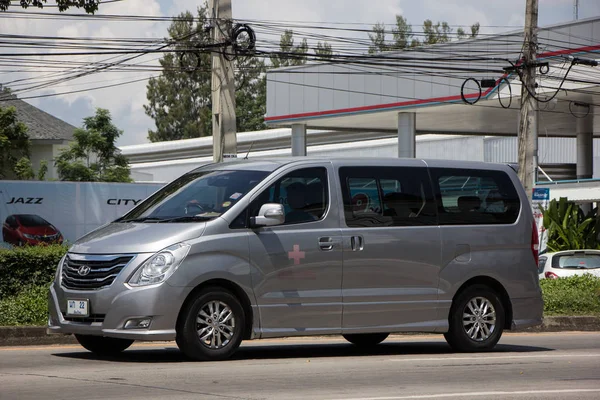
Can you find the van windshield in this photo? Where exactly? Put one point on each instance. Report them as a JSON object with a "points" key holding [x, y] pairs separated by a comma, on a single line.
{"points": [[196, 196]]}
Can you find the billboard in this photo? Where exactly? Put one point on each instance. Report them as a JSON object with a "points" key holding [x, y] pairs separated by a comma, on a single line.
{"points": [[33, 213]]}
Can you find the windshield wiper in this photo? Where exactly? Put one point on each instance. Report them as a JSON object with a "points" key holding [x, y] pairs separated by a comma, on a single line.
{"points": [[187, 218], [143, 219]]}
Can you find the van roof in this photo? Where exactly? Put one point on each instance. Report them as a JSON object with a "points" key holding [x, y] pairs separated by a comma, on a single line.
{"points": [[271, 164]]}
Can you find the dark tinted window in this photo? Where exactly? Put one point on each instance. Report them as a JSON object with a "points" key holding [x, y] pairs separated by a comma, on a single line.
{"points": [[303, 193], [32, 220], [387, 196], [473, 197]]}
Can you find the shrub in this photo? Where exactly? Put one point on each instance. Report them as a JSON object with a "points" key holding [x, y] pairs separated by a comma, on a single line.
{"points": [[28, 266], [29, 307], [575, 295]]}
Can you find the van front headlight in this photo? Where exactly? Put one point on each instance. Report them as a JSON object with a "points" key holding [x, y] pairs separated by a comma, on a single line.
{"points": [[160, 266]]}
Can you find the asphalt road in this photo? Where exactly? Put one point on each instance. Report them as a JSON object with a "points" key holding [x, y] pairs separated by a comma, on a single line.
{"points": [[524, 366]]}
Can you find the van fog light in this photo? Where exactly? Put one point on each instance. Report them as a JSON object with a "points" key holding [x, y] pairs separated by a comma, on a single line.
{"points": [[138, 323]]}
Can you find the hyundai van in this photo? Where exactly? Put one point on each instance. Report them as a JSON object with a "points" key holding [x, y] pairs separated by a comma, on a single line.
{"points": [[300, 246]]}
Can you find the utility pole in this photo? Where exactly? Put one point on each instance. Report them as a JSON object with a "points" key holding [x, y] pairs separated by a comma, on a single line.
{"points": [[576, 9], [223, 86], [528, 134]]}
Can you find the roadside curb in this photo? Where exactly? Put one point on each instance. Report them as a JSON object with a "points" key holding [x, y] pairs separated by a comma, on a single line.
{"points": [[36, 335]]}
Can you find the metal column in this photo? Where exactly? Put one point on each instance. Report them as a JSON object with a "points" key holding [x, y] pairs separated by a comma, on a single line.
{"points": [[585, 150], [406, 135], [298, 140]]}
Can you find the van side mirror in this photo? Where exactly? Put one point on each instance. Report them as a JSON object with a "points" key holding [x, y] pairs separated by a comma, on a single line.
{"points": [[270, 214]]}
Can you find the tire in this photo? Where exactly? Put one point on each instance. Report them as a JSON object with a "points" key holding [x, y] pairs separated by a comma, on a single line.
{"points": [[471, 337], [366, 339], [103, 346], [189, 340]]}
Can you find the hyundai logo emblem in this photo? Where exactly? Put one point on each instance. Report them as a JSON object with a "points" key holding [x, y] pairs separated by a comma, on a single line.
{"points": [[83, 270]]}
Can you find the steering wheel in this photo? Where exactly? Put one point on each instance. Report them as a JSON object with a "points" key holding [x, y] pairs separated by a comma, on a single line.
{"points": [[193, 205]]}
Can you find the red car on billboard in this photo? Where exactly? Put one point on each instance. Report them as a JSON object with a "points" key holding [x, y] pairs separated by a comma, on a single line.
{"points": [[29, 229]]}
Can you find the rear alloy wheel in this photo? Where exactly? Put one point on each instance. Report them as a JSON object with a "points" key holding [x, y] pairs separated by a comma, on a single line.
{"points": [[366, 339], [476, 320], [103, 346], [212, 325]]}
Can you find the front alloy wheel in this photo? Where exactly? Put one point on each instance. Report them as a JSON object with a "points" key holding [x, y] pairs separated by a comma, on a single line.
{"points": [[215, 324], [211, 325]]}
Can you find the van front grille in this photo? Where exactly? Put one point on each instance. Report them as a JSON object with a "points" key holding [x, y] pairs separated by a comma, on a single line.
{"points": [[92, 274]]}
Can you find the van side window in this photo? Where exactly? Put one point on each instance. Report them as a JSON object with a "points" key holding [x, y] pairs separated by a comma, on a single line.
{"points": [[387, 196], [303, 193], [475, 197]]}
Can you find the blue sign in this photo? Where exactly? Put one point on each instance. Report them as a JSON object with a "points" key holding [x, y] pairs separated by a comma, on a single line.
{"points": [[541, 194]]}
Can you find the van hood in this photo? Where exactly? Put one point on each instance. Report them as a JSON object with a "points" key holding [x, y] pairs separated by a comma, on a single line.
{"points": [[136, 237]]}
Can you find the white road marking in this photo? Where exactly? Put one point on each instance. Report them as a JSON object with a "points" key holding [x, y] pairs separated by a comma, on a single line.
{"points": [[492, 358], [479, 394]]}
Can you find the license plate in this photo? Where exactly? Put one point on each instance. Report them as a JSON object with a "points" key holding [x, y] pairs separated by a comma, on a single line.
{"points": [[78, 308]]}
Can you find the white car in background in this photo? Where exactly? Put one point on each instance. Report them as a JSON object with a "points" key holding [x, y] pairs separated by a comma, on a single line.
{"points": [[567, 263]]}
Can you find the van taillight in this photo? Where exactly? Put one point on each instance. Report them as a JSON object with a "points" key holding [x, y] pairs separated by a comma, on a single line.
{"points": [[535, 243], [551, 275]]}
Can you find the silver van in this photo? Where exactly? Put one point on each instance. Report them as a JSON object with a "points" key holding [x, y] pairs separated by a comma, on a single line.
{"points": [[302, 246]]}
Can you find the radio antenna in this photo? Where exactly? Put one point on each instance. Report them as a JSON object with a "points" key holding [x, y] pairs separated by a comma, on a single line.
{"points": [[250, 149]]}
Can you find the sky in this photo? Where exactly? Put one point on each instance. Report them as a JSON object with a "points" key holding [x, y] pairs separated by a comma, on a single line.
{"points": [[126, 102]]}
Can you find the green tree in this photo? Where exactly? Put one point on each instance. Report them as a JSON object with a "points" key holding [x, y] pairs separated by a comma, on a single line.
{"points": [[180, 100], [475, 30], [93, 156], [378, 41], [438, 33], [462, 34], [24, 169], [402, 33], [14, 141], [250, 94], [289, 54], [90, 6], [403, 36], [42, 171], [324, 51]]}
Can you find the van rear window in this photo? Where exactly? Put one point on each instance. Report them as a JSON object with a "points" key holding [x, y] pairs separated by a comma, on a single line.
{"points": [[576, 261], [474, 197]]}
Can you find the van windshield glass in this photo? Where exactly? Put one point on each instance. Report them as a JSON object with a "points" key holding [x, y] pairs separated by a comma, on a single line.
{"points": [[196, 196]]}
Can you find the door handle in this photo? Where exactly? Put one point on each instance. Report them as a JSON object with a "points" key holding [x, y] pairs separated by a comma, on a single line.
{"points": [[326, 243], [356, 243]]}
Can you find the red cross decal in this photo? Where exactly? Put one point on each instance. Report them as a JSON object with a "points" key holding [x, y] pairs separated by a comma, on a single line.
{"points": [[296, 255]]}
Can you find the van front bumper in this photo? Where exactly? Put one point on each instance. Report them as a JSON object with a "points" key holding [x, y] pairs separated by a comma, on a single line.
{"points": [[112, 308]]}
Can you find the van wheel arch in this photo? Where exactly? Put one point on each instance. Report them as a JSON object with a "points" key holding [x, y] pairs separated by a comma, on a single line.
{"points": [[495, 286], [235, 289]]}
